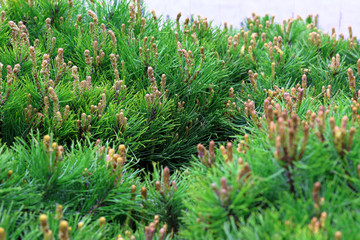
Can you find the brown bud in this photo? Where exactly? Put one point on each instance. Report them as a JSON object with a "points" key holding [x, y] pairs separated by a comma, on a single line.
{"points": [[92, 14], [351, 137], [229, 151], [144, 192], [212, 150], [59, 212], [315, 192], [245, 172], [10, 172], [166, 177]]}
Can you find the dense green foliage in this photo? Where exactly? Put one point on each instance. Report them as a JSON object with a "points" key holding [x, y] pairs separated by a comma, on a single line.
{"points": [[104, 106]]}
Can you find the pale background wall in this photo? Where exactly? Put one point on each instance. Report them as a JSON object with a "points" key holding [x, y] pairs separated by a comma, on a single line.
{"points": [[332, 13]]}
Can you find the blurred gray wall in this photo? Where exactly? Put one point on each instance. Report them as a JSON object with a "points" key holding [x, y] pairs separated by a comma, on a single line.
{"points": [[332, 13]]}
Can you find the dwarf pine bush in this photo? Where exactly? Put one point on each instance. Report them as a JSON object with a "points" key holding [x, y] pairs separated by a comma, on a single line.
{"points": [[116, 123]]}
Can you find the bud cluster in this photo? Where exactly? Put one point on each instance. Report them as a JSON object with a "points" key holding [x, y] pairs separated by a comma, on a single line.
{"points": [[120, 87], [11, 77], [318, 201], [55, 100], [15, 34], [80, 87], [78, 22], [253, 78], [224, 193], [342, 138], [318, 224], [244, 172], [84, 125], [286, 132], [191, 71], [113, 39], [154, 98], [270, 49], [315, 39], [352, 39], [181, 106], [227, 152], [203, 23], [250, 113], [76, 82], [99, 53], [2, 16], [233, 43], [45, 68], [34, 68], [19, 40], [85, 85], [100, 107], [152, 228], [255, 20], [115, 161], [243, 145], [121, 121], [60, 66], [128, 235], [93, 26], [88, 61], [335, 64], [230, 106], [59, 212], [207, 157], [50, 41], [352, 83], [132, 13], [113, 60], [293, 99], [167, 189], [31, 113], [53, 151], [148, 52], [355, 108], [151, 77]]}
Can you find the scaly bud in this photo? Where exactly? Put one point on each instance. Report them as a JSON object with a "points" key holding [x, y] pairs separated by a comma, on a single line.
{"points": [[63, 230], [338, 235], [2, 230], [316, 193], [144, 192], [102, 221], [229, 151], [166, 177]]}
